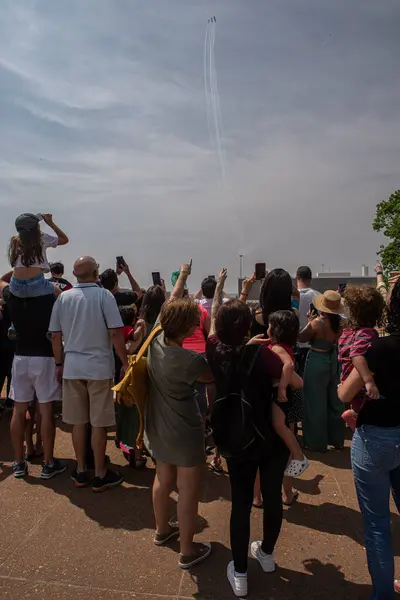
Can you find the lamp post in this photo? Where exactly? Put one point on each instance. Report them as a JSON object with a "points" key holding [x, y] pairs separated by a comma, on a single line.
{"points": [[241, 265]]}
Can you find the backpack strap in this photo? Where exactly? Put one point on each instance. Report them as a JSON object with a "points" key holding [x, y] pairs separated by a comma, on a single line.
{"points": [[147, 343], [253, 361]]}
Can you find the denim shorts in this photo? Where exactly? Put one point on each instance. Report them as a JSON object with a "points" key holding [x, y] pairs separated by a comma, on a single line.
{"points": [[31, 288]]}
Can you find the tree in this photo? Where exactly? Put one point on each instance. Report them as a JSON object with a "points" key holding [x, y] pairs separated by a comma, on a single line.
{"points": [[387, 220]]}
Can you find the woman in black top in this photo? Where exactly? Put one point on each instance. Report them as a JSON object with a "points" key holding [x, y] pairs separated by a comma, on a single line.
{"points": [[375, 451], [275, 294], [228, 356]]}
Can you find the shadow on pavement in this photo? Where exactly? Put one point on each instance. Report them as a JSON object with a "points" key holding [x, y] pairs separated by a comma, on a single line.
{"points": [[316, 583], [337, 520]]}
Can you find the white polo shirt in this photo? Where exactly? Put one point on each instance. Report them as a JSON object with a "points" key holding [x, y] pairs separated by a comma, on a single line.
{"points": [[84, 315]]}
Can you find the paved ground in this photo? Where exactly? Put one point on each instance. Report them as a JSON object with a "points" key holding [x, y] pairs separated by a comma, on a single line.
{"points": [[57, 542]]}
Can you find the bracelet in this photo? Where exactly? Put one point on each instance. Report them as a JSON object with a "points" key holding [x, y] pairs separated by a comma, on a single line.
{"points": [[59, 364], [379, 273], [244, 294]]}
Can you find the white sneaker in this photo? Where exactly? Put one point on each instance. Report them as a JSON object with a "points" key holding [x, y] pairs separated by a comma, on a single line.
{"points": [[266, 561], [238, 583]]}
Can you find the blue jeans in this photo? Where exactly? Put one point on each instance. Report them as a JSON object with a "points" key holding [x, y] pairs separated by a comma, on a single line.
{"points": [[31, 288], [375, 459]]}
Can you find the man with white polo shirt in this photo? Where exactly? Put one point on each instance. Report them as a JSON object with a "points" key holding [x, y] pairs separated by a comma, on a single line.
{"points": [[88, 320], [307, 295]]}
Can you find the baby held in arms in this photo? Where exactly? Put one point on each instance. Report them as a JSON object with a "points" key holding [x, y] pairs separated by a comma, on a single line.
{"points": [[283, 333]]}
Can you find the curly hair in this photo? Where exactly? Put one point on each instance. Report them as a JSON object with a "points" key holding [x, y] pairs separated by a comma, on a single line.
{"points": [[393, 310], [178, 317], [27, 245], [284, 327], [365, 305]]}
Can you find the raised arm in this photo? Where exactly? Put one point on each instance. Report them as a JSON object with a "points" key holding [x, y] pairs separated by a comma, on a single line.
{"points": [[380, 282], [179, 286], [62, 237], [219, 290], [134, 284], [246, 288]]}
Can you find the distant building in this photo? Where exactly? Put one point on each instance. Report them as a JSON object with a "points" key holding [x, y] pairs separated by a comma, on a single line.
{"points": [[321, 282]]}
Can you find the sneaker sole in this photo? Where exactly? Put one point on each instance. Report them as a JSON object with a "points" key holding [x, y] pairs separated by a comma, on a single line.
{"points": [[20, 475], [51, 475], [198, 560], [77, 484], [108, 486], [174, 534]]}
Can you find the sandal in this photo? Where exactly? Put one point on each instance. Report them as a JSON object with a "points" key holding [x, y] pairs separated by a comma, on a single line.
{"points": [[296, 468]]}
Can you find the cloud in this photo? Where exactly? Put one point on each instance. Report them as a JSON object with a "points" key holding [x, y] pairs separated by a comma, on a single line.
{"points": [[104, 124]]}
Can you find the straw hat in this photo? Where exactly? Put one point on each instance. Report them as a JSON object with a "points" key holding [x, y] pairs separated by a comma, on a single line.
{"points": [[330, 302]]}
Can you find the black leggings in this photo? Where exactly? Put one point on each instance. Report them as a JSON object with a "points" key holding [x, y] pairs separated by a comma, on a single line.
{"points": [[242, 474]]}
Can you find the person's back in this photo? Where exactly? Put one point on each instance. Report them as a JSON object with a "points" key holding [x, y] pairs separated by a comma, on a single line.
{"points": [[82, 316], [197, 342], [307, 295], [31, 318]]}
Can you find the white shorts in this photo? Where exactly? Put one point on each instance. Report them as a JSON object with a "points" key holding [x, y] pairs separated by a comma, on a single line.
{"points": [[34, 375]]}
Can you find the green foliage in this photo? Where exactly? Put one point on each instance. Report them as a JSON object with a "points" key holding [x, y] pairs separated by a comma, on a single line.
{"points": [[387, 221]]}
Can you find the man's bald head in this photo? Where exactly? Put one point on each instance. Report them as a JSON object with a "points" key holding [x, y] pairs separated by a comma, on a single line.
{"points": [[86, 269]]}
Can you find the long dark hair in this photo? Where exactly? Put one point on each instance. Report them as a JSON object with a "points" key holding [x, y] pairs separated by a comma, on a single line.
{"points": [[393, 310], [27, 245], [153, 300], [232, 326], [276, 293], [335, 321]]}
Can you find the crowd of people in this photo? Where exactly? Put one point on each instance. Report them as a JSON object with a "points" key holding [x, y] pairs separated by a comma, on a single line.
{"points": [[222, 378]]}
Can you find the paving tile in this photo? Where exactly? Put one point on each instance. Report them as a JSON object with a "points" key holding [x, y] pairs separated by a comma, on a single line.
{"points": [[25, 590], [100, 537]]}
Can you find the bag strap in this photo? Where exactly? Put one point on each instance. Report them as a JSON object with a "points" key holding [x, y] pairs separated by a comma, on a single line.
{"points": [[147, 343], [253, 361]]}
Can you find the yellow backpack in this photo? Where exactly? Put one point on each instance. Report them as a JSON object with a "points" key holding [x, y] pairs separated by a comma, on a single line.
{"points": [[133, 389]]}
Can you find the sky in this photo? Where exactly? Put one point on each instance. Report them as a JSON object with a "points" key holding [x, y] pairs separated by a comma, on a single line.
{"points": [[103, 123]]}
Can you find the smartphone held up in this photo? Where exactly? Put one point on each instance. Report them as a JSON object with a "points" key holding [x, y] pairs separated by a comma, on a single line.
{"points": [[260, 271], [156, 276]]}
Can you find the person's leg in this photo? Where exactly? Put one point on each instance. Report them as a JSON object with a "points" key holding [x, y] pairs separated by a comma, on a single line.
{"points": [[48, 431], [79, 444], [272, 468], [39, 440], [316, 380], [22, 392], [17, 429], [99, 444], [285, 433], [188, 483], [336, 425], [29, 424], [242, 476], [164, 484], [257, 496], [102, 416], [370, 460], [75, 409]]}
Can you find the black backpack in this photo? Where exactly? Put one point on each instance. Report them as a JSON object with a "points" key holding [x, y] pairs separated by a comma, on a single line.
{"points": [[232, 418]]}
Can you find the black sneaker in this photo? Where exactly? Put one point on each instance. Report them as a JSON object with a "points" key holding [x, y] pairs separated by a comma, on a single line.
{"points": [[49, 471], [162, 539], [20, 469], [201, 552], [110, 480], [80, 479]]}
